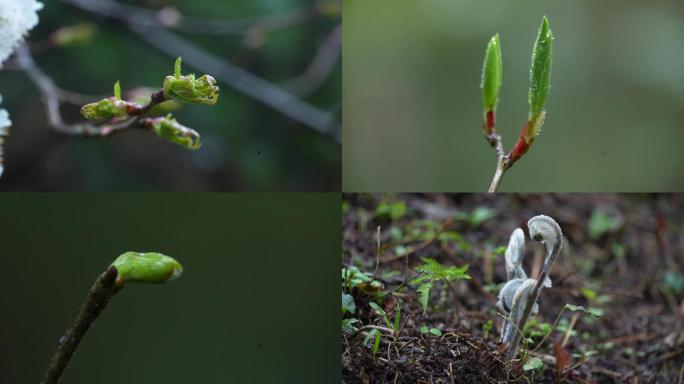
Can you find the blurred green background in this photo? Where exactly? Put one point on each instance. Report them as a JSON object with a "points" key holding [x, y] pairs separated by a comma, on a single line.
{"points": [[247, 146], [254, 305], [412, 103]]}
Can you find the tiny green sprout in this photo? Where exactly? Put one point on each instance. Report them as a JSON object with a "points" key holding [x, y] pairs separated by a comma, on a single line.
{"points": [[534, 364], [177, 67], [188, 89], [491, 74], [117, 90], [105, 108], [169, 129], [150, 267]]}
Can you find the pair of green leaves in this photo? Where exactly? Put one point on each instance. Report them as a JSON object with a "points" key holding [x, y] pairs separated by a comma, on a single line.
{"points": [[540, 76]]}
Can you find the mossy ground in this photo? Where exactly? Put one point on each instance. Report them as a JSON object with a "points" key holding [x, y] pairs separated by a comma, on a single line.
{"points": [[623, 257]]}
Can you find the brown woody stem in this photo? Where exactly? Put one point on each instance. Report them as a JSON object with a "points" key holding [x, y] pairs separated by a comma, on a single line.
{"points": [[100, 293]]}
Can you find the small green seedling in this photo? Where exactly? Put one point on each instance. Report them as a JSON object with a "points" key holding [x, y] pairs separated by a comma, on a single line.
{"points": [[432, 331], [432, 271]]}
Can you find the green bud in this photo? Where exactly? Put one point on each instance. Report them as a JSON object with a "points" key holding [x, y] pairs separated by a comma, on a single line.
{"points": [[169, 129], [78, 34], [148, 267], [105, 109], [188, 89], [540, 71], [491, 74]]}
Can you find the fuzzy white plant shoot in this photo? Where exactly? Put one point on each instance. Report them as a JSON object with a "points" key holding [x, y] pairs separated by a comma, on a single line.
{"points": [[518, 298]]}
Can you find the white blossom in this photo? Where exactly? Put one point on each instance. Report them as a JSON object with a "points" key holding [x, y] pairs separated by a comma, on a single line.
{"points": [[17, 17]]}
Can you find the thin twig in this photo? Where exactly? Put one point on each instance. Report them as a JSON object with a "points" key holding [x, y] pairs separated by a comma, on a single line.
{"points": [[241, 80], [323, 63], [502, 163], [51, 97], [166, 17], [568, 332], [98, 298]]}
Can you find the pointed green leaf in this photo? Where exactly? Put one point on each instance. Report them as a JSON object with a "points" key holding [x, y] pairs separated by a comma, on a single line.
{"points": [[397, 319], [177, 67], [595, 312], [381, 312], [540, 71], [491, 74], [117, 90]]}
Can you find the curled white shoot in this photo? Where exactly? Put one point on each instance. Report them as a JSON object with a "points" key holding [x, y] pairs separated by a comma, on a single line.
{"points": [[514, 255], [518, 298]]}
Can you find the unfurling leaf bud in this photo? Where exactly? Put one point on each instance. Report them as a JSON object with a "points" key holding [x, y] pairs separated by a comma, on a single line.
{"points": [[105, 109], [490, 84], [491, 74], [150, 267], [540, 83], [540, 71], [169, 129], [188, 89]]}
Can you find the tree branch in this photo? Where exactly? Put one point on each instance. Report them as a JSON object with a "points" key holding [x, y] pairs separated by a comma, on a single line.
{"points": [[173, 45], [170, 18], [241, 80], [320, 67], [98, 298], [502, 163], [51, 96]]}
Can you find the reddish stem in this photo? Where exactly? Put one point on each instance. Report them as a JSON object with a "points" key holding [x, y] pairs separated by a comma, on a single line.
{"points": [[490, 121]]}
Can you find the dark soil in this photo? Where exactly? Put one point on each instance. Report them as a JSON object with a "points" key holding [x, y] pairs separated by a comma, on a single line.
{"points": [[622, 255]]}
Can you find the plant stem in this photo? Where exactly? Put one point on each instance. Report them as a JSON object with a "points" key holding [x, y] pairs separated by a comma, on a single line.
{"points": [[100, 293], [534, 296], [502, 164], [498, 175]]}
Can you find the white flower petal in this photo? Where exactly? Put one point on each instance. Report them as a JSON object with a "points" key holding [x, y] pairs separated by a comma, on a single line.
{"points": [[17, 17]]}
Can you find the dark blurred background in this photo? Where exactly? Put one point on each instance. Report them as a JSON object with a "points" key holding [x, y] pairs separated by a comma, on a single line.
{"points": [[413, 113], [255, 304], [246, 145]]}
